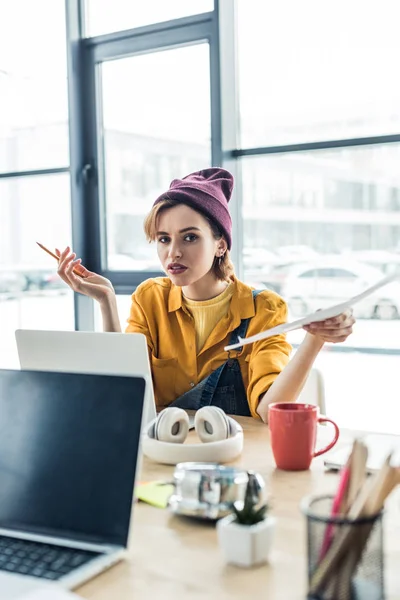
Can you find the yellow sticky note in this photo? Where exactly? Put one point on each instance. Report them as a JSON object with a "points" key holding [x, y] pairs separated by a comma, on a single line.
{"points": [[155, 493]]}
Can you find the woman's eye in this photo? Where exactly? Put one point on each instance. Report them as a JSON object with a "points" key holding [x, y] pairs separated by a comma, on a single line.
{"points": [[190, 237], [163, 239]]}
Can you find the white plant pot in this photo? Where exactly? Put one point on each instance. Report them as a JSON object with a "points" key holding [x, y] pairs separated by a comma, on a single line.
{"points": [[245, 545]]}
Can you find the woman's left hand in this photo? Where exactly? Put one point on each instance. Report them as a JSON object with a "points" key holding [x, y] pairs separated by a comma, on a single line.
{"points": [[335, 329]]}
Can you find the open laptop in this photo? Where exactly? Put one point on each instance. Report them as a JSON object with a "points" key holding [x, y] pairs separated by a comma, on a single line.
{"points": [[68, 454], [88, 352], [379, 447]]}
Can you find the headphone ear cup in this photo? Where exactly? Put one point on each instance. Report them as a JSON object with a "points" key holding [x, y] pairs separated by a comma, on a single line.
{"points": [[172, 425], [212, 424]]}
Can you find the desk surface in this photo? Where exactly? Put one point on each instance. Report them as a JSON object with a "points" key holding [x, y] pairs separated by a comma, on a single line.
{"points": [[172, 558]]}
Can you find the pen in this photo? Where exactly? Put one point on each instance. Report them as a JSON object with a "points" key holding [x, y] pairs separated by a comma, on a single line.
{"points": [[75, 269], [337, 501]]}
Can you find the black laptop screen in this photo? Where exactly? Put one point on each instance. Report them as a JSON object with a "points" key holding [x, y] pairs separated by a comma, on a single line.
{"points": [[68, 453]]}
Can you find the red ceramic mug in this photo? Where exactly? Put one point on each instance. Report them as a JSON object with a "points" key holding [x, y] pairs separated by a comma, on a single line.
{"points": [[293, 432]]}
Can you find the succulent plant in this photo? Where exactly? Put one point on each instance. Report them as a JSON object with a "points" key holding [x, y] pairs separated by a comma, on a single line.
{"points": [[250, 512]]}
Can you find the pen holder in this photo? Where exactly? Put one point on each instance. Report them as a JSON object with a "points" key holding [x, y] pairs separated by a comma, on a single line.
{"points": [[345, 557]]}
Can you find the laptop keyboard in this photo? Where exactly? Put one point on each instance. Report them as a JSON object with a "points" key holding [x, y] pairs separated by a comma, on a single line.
{"points": [[40, 560]]}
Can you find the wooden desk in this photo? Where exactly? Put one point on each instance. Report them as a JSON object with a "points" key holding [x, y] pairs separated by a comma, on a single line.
{"points": [[173, 558]]}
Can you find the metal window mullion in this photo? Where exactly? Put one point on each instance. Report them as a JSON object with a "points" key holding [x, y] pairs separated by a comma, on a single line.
{"points": [[79, 154], [215, 94], [94, 55], [34, 173], [227, 120], [165, 39], [173, 25], [318, 145]]}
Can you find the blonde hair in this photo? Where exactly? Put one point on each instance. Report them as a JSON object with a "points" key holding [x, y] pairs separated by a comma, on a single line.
{"points": [[222, 266]]}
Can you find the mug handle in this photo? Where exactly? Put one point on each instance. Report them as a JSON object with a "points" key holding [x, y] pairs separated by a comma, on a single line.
{"points": [[335, 439]]}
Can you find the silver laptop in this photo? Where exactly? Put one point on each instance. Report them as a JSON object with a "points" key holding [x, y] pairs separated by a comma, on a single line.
{"points": [[68, 455], [88, 352], [379, 447]]}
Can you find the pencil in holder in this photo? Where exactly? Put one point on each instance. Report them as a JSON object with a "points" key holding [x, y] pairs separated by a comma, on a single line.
{"points": [[344, 556]]}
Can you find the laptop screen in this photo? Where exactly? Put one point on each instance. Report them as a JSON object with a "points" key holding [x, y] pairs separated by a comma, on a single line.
{"points": [[68, 453]]}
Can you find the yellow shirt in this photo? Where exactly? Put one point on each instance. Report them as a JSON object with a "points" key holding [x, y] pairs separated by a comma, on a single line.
{"points": [[207, 313], [159, 313]]}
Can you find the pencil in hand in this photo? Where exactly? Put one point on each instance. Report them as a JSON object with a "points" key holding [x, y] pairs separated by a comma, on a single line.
{"points": [[78, 270]]}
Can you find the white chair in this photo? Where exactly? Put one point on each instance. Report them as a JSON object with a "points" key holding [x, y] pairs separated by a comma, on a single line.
{"points": [[313, 391]]}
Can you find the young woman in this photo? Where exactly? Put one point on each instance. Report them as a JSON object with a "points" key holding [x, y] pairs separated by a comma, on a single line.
{"points": [[189, 316]]}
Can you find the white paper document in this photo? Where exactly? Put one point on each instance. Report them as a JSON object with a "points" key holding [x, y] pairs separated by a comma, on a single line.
{"points": [[319, 315]]}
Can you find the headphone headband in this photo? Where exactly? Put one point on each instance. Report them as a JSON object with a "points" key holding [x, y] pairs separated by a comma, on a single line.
{"points": [[171, 454]]}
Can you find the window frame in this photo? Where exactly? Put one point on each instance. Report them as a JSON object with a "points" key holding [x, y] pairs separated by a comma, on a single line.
{"points": [[219, 28], [86, 150]]}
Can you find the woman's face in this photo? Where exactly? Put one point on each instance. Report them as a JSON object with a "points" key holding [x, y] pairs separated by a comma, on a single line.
{"points": [[186, 245]]}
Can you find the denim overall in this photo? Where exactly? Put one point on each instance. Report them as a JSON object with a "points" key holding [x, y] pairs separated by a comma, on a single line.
{"points": [[223, 387]]}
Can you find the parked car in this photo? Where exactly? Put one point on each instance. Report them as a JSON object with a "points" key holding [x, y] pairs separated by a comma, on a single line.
{"points": [[387, 262], [258, 258], [38, 278], [296, 253], [332, 280], [51, 281], [272, 279], [11, 282]]}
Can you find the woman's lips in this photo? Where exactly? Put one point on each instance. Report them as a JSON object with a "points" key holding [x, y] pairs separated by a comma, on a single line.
{"points": [[176, 269]]}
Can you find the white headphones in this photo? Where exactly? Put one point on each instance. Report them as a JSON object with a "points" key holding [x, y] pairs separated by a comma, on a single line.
{"points": [[221, 436]]}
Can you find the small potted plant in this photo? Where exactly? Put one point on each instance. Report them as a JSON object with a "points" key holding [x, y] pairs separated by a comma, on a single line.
{"points": [[246, 534]]}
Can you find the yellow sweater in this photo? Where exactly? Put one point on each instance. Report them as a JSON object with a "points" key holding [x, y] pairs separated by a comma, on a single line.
{"points": [[207, 313], [158, 312]]}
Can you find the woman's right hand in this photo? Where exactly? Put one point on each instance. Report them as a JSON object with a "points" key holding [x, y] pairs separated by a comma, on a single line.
{"points": [[88, 283]]}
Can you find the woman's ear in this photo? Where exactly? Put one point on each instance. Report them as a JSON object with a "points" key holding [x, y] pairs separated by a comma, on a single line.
{"points": [[222, 247]]}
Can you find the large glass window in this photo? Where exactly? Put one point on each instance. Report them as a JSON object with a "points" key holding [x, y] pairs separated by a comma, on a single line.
{"points": [[323, 210], [153, 131], [311, 71], [33, 85], [320, 227], [317, 226], [31, 293], [33, 136], [126, 14]]}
